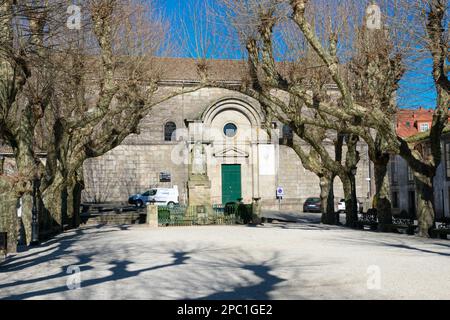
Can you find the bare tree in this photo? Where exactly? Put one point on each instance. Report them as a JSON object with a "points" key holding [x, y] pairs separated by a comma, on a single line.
{"points": [[365, 66], [101, 83], [256, 23], [434, 13], [25, 86]]}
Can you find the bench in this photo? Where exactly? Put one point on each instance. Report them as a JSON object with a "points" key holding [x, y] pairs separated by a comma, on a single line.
{"points": [[368, 219], [442, 230], [4, 243], [403, 224]]}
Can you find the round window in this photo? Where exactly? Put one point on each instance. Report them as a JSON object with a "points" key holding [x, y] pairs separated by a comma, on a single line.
{"points": [[230, 130]]}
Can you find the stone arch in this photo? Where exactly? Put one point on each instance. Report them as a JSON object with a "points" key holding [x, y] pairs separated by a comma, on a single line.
{"points": [[232, 103]]}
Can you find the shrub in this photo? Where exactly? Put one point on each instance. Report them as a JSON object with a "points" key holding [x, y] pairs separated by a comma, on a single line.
{"points": [[245, 212]]}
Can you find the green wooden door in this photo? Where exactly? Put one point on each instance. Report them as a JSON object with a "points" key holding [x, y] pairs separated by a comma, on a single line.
{"points": [[231, 183]]}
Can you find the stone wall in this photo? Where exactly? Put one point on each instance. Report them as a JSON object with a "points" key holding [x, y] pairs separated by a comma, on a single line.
{"points": [[135, 165], [130, 169]]}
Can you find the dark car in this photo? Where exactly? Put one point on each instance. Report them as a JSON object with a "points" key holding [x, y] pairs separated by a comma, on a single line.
{"points": [[140, 199], [312, 205]]}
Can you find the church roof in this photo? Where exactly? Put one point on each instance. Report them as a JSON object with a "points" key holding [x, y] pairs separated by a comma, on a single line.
{"points": [[185, 69]]}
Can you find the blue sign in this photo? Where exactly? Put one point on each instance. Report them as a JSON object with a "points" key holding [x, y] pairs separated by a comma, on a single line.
{"points": [[280, 192]]}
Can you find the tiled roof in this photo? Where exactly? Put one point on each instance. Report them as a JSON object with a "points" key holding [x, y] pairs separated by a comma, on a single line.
{"points": [[413, 117], [186, 69]]}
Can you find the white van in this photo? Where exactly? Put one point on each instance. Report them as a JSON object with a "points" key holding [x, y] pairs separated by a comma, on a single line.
{"points": [[164, 196], [158, 196]]}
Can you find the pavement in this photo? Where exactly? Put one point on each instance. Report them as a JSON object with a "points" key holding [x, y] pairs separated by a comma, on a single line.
{"points": [[302, 260], [292, 216]]}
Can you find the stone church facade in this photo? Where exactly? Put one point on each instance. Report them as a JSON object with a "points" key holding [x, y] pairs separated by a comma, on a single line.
{"points": [[240, 159]]}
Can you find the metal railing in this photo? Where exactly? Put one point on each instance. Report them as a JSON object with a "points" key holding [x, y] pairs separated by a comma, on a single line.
{"points": [[177, 216]]}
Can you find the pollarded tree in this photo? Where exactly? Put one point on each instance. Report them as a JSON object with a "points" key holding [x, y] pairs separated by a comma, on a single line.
{"points": [[372, 71], [275, 86], [364, 65], [102, 82], [375, 70], [129, 36], [432, 14], [25, 88]]}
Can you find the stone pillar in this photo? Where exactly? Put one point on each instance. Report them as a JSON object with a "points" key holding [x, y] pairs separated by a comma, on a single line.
{"points": [[152, 216], [200, 198], [199, 185], [256, 210]]}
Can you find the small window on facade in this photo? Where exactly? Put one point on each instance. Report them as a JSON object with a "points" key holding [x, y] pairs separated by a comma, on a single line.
{"points": [[394, 175], [230, 130], [410, 175], [287, 135], [169, 130], [424, 127], [395, 203], [448, 196], [447, 160], [426, 150], [408, 124]]}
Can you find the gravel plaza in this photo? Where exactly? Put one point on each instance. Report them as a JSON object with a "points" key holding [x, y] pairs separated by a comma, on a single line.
{"points": [[303, 260]]}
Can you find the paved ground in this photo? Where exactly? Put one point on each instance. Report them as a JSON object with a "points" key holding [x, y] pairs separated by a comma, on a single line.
{"points": [[293, 217], [279, 261]]}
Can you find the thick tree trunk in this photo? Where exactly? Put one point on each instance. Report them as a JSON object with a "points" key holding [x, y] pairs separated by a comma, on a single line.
{"points": [[74, 189], [327, 200], [8, 219], [27, 216], [54, 204], [382, 196], [27, 168], [351, 209], [425, 204], [76, 196]]}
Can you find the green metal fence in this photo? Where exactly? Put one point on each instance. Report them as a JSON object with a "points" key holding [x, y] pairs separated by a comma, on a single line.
{"points": [[191, 216]]}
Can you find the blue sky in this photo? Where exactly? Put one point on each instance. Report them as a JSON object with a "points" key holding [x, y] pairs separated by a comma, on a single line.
{"points": [[416, 87]]}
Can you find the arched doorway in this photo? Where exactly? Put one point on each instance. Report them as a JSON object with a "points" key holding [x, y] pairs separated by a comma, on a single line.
{"points": [[233, 127]]}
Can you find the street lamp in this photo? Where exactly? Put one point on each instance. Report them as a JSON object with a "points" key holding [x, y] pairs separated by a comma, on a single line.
{"points": [[2, 162], [34, 213], [354, 211]]}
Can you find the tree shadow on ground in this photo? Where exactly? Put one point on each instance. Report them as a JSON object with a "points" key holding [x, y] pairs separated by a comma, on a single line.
{"points": [[209, 271], [408, 247], [447, 245], [242, 276], [119, 271], [82, 262], [300, 226], [398, 243], [53, 249], [292, 218], [259, 291], [254, 277]]}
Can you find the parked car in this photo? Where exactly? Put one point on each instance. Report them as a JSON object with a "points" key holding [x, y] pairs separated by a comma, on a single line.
{"points": [[312, 205], [158, 196], [341, 206]]}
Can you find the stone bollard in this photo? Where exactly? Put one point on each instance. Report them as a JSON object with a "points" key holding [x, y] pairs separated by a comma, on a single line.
{"points": [[256, 208], [152, 216]]}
